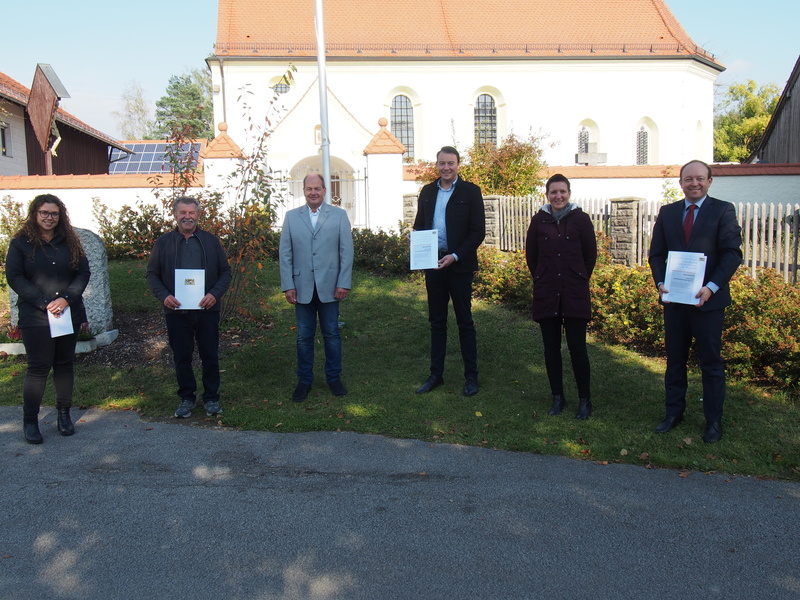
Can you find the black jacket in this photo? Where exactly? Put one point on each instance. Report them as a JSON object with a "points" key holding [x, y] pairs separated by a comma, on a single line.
{"points": [[39, 275], [161, 266], [716, 233], [465, 219]]}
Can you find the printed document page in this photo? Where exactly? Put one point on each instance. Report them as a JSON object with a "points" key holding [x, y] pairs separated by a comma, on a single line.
{"points": [[424, 249], [190, 287], [685, 272]]}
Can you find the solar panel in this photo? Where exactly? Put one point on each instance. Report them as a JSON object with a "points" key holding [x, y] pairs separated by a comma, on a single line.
{"points": [[148, 157]]}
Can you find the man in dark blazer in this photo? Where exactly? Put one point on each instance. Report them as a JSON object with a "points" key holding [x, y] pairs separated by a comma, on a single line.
{"points": [[189, 247], [454, 207], [698, 223], [316, 262]]}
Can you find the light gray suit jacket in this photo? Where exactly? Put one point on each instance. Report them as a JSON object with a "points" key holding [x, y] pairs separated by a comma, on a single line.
{"points": [[322, 257]]}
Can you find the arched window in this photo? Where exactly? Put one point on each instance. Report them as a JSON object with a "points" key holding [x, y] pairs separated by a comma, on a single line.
{"points": [[642, 146], [280, 88], [401, 122], [485, 119], [583, 140]]}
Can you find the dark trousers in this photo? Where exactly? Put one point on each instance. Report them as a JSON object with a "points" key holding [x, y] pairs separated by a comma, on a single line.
{"points": [[683, 322], [44, 353], [184, 328], [575, 330], [443, 286]]}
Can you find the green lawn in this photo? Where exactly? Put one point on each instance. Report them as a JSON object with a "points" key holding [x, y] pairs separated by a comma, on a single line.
{"points": [[385, 337]]}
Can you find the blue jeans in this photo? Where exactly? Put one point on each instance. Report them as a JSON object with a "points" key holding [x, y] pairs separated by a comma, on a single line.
{"points": [[328, 313], [184, 328]]}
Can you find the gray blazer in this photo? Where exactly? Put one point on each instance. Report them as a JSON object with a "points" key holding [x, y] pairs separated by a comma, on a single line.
{"points": [[321, 257]]}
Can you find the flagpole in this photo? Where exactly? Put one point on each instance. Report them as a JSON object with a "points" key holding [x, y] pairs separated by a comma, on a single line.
{"points": [[319, 24]]}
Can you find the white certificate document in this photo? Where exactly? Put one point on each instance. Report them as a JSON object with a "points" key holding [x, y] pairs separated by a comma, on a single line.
{"points": [[424, 249], [190, 287], [685, 272], [61, 325]]}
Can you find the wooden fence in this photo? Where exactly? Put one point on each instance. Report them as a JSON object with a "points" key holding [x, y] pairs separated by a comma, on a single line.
{"points": [[770, 232]]}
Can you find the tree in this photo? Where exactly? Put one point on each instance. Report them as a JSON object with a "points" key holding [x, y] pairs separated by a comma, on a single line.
{"points": [[741, 119], [134, 120], [513, 168], [186, 107]]}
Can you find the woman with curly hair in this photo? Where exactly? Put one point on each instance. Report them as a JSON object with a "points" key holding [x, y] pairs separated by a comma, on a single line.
{"points": [[47, 267]]}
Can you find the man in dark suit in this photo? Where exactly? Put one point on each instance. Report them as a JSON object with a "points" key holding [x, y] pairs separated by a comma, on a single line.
{"points": [[454, 207], [698, 223]]}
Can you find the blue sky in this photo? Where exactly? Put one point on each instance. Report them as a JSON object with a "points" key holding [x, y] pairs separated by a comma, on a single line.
{"points": [[97, 48]]}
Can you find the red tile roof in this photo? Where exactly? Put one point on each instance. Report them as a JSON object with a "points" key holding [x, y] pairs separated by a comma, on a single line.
{"points": [[455, 29], [15, 91], [91, 182], [384, 142], [412, 172]]}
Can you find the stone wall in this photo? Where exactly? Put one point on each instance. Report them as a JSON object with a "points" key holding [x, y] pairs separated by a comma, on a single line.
{"points": [[624, 230], [490, 205]]}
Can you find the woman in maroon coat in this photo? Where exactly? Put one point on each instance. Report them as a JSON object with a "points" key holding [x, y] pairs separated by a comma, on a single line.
{"points": [[561, 250]]}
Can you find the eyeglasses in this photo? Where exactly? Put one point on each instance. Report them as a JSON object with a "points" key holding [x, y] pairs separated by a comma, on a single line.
{"points": [[46, 213]]}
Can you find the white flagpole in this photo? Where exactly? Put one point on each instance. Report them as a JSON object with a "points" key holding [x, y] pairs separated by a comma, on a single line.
{"points": [[319, 24]]}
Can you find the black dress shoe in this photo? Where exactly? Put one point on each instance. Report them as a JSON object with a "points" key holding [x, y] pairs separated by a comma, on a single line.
{"points": [[337, 388], [584, 409], [431, 382], [668, 424], [559, 403], [64, 422], [470, 387], [300, 393], [32, 433], [713, 432]]}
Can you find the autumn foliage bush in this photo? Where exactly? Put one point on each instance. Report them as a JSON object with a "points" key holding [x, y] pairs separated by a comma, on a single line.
{"points": [[761, 339]]}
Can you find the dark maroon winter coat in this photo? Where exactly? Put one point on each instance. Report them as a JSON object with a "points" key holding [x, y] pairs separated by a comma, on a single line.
{"points": [[561, 258]]}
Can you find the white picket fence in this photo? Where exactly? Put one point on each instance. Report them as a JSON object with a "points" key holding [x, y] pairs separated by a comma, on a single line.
{"points": [[770, 232]]}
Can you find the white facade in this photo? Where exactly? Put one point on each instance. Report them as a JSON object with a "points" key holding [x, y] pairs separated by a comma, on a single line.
{"points": [[612, 98]]}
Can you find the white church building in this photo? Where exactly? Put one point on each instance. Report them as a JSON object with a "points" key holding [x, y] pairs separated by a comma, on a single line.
{"points": [[613, 83]]}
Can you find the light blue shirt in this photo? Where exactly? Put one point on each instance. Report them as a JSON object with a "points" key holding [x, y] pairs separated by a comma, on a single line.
{"points": [[314, 216], [439, 213]]}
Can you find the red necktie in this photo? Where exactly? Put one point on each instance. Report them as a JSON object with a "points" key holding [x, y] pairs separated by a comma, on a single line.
{"points": [[688, 222]]}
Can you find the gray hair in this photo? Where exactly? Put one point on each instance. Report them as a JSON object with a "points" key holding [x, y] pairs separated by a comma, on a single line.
{"points": [[185, 200]]}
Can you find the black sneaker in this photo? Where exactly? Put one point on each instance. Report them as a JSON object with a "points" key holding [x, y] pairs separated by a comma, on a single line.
{"points": [[184, 409], [212, 408]]}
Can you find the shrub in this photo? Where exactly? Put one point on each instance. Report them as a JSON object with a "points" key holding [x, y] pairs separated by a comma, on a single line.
{"points": [[381, 253], [130, 232], [625, 308], [503, 278], [762, 334]]}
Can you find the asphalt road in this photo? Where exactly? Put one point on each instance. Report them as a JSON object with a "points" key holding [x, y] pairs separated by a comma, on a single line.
{"points": [[132, 509]]}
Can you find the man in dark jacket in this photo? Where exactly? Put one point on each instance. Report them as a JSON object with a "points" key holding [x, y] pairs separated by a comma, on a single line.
{"points": [[186, 255], [454, 208], [702, 224]]}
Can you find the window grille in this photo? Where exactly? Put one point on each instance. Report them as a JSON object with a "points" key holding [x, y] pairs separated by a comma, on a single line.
{"points": [[583, 141], [642, 143], [401, 119], [485, 120]]}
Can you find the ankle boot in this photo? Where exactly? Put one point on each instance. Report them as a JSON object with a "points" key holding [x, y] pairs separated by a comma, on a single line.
{"points": [[558, 405], [65, 425], [32, 433], [584, 409]]}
